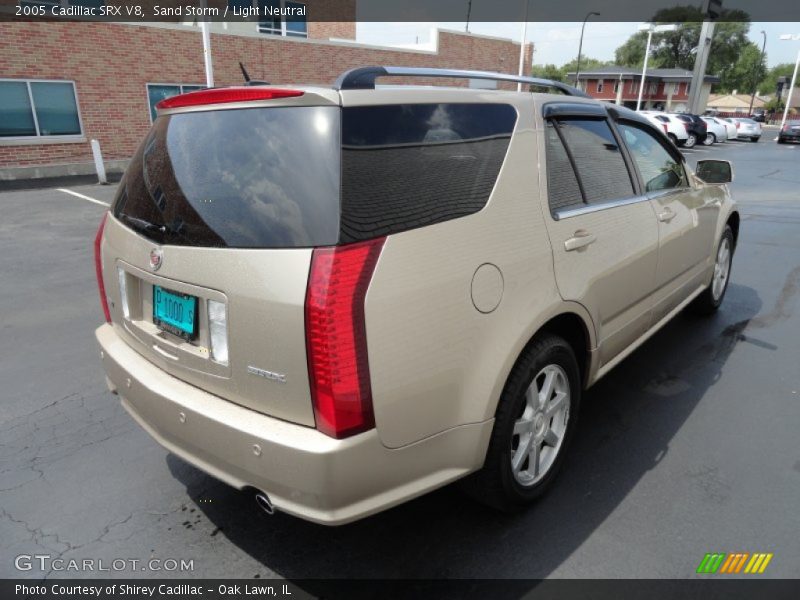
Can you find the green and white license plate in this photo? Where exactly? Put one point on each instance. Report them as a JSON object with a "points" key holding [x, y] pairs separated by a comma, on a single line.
{"points": [[175, 312]]}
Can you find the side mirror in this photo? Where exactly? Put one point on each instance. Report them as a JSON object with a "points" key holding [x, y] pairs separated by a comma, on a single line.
{"points": [[714, 171]]}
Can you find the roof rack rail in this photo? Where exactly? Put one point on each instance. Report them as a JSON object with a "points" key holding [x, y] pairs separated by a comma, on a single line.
{"points": [[363, 78]]}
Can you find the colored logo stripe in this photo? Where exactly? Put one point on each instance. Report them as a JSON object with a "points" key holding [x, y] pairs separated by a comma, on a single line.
{"points": [[720, 562], [710, 563]]}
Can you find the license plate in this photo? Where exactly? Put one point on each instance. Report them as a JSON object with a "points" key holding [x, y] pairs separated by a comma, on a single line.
{"points": [[175, 312]]}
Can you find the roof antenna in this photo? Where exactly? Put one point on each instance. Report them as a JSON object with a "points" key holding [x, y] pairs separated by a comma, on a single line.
{"points": [[247, 80], [244, 72]]}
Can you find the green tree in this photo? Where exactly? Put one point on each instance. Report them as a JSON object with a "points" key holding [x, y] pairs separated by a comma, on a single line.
{"points": [[770, 80], [677, 49], [745, 73], [549, 71]]}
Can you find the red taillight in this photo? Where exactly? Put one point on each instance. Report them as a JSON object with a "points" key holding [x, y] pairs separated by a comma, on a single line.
{"points": [[664, 125], [336, 339], [98, 267], [737, 124], [226, 95]]}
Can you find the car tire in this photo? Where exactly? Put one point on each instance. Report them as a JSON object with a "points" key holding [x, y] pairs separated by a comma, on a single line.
{"points": [[754, 139], [525, 418], [781, 140], [711, 298], [690, 141], [710, 139]]}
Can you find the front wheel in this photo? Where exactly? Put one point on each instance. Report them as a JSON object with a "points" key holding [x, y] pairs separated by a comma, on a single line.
{"points": [[534, 423], [710, 139], [711, 298], [690, 141]]}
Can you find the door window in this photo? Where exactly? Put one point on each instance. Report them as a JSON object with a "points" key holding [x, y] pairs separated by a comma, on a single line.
{"points": [[660, 168]]}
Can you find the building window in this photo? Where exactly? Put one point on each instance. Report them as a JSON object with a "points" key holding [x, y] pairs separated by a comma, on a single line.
{"points": [[35, 108], [600, 86], [616, 87], [635, 87], [156, 92], [270, 21], [652, 89]]}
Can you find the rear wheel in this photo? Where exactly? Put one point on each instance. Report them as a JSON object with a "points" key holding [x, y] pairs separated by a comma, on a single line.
{"points": [[690, 141], [710, 139], [672, 138], [711, 298], [534, 423], [755, 138]]}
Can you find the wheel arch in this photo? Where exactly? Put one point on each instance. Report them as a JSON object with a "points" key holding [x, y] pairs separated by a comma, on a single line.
{"points": [[733, 221], [569, 320]]}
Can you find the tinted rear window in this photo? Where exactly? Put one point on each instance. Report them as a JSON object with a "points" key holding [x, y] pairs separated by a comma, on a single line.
{"points": [[245, 178], [312, 176], [411, 165]]}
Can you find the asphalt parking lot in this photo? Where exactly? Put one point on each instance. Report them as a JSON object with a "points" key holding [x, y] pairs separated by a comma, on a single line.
{"points": [[690, 446]]}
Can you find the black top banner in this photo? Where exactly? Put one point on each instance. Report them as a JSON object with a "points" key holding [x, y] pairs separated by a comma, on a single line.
{"points": [[396, 10]]}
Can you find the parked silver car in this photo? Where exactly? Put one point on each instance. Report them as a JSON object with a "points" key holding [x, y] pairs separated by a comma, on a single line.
{"points": [[716, 131], [747, 128]]}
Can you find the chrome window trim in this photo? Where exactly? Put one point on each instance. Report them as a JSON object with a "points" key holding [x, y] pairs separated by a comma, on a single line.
{"points": [[591, 208]]}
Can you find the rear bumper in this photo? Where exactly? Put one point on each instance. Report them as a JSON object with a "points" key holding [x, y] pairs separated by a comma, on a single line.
{"points": [[304, 472]]}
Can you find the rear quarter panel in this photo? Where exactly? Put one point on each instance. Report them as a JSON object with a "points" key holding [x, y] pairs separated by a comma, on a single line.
{"points": [[436, 362]]}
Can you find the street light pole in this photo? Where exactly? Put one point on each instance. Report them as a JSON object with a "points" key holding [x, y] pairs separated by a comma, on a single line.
{"points": [[580, 44], [794, 79], [650, 28], [522, 45], [644, 69], [757, 70]]}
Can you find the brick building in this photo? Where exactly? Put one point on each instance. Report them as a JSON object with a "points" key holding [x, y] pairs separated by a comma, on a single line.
{"points": [[664, 89], [63, 84]]}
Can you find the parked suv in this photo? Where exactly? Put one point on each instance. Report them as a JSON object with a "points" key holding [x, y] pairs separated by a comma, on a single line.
{"points": [[345, 297], [695, 127]]}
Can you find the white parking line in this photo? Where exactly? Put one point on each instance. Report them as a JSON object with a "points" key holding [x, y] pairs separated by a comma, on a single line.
{"points": [[82, 197]]}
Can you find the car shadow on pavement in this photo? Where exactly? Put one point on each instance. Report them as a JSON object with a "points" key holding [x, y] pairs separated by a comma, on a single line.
{"points": [[627, 423]]}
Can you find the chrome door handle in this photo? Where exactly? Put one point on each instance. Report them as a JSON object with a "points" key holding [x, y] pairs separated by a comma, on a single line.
{"points": [[666, 215], [580, 239]]}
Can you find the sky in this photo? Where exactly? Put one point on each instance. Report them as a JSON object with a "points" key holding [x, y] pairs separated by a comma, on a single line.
{"points": [[557, 43]]}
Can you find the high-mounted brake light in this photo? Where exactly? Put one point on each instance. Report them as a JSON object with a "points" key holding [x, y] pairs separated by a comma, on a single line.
{"points": [[98, 267], [225, 95], [336, 339]]}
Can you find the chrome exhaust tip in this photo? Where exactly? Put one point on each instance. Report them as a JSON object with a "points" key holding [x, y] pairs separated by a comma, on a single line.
{"points": [[264, 503]]}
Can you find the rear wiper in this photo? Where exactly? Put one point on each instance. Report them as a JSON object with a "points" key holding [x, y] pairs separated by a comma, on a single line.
{"points": [[143, 224]]}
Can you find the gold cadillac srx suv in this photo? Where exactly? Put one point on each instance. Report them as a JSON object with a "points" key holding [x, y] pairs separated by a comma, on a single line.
{"points": [[342, 298]]}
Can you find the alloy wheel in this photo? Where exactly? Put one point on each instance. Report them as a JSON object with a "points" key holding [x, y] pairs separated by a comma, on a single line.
{"points": [[540, 429], [722, 269]]}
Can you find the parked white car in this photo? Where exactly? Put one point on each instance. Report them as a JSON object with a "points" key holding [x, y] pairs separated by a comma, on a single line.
{"points": [[747, 128], [717, 132], [730, 127], [674, 128]]}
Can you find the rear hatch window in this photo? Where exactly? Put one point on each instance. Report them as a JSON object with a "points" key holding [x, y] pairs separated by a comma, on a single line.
{"points": [[238, 178]]}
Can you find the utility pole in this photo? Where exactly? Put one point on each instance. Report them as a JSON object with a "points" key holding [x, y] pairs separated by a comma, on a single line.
{"points": [[756, 73], [522, 45], [711, 10]]}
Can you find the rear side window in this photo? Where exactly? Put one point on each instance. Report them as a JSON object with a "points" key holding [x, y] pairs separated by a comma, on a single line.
{"points": [[244, 178], [562, 184], [410, 165], [596, 162]]}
